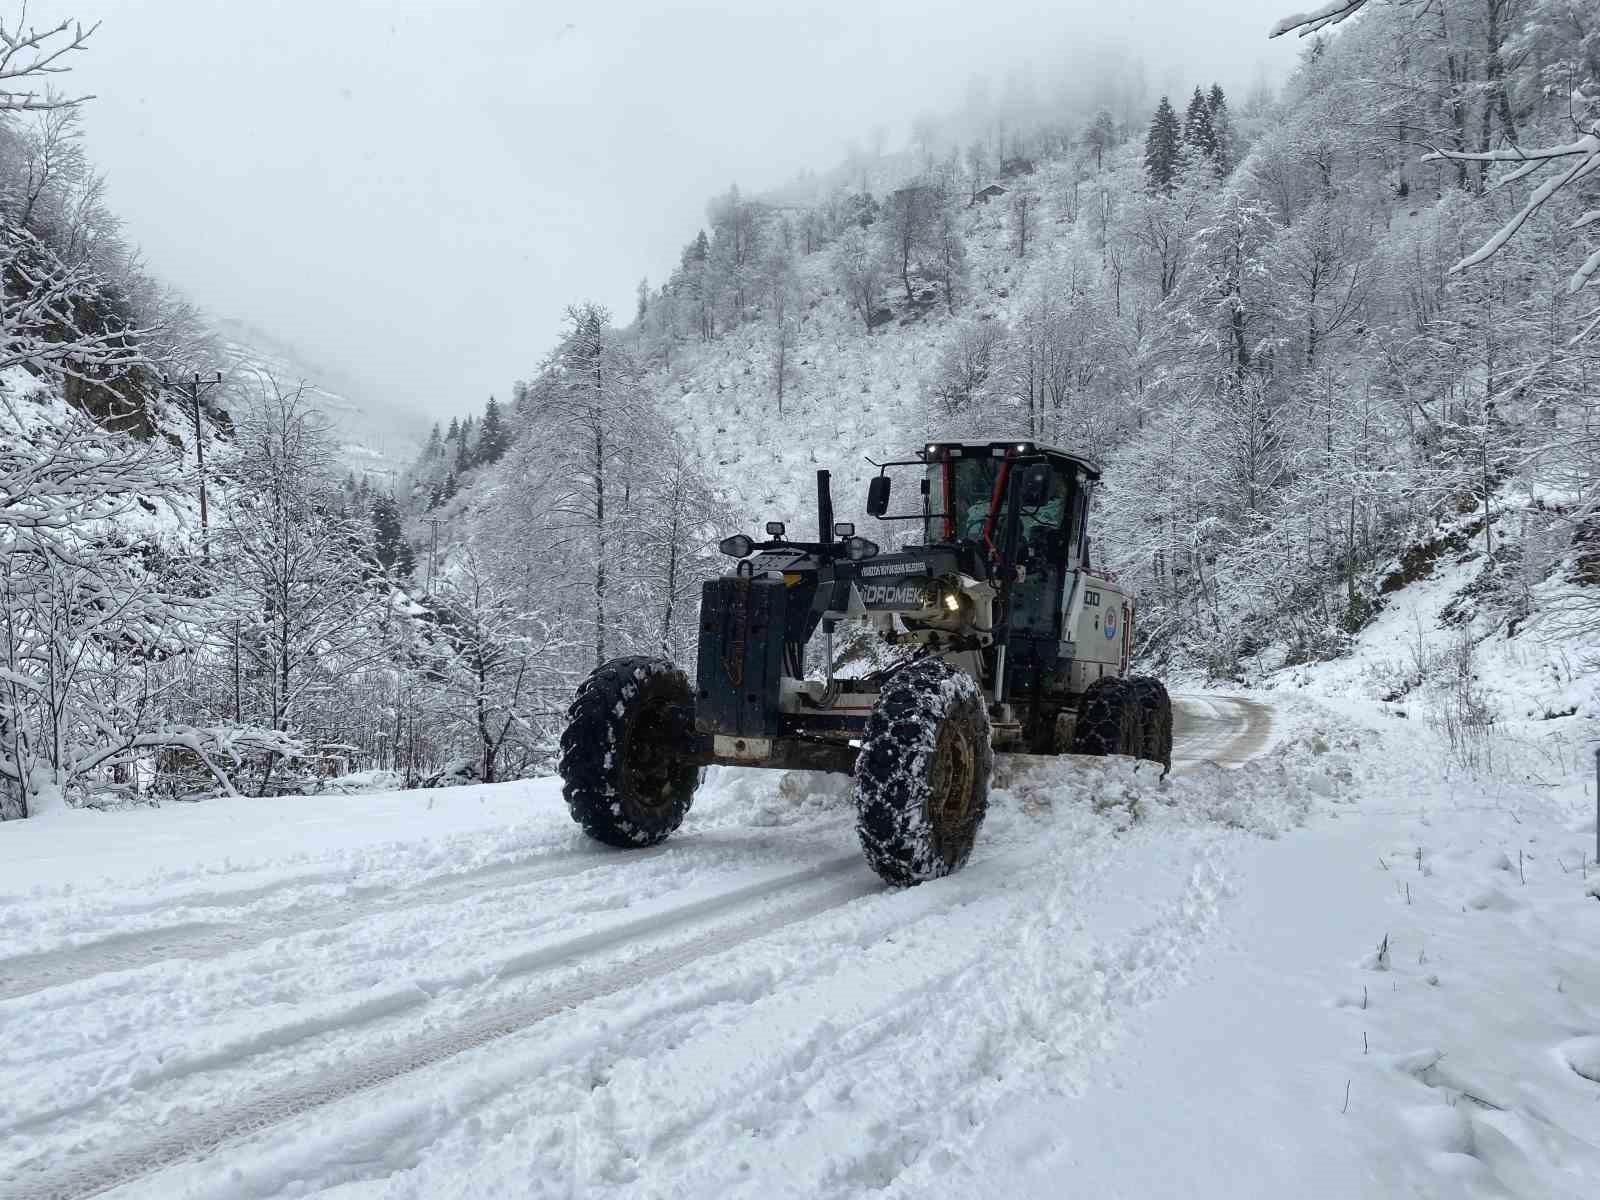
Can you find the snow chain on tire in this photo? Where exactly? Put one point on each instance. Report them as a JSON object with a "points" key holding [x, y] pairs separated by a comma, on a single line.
{"points": [[620, 775], [1155, 719], [1108, 720], [922, 775]]}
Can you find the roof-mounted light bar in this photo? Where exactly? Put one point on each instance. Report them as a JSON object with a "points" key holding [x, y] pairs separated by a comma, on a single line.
{"points": [[938, 451]]}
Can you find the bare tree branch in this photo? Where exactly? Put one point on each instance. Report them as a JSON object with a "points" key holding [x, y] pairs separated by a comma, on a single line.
{"points": [[28, 55], [1317, 19], [1586, 152], [46, 312]]}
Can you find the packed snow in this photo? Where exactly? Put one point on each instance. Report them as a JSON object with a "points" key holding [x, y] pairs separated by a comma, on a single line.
{"points": [[1339, 963]]}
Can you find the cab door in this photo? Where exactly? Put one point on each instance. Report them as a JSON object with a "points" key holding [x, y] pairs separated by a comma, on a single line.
{"points": [[1042, 548]]}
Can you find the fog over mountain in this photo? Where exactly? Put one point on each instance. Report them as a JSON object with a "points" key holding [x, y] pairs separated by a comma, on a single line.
{"points": [[414, 193]]}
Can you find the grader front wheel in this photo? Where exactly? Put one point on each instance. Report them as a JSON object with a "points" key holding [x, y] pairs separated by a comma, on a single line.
{"points": [[922, 774]]}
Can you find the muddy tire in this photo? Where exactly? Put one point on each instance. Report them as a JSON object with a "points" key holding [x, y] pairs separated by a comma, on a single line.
{"points": [[1108, 720], [620, 773], [1155, 719], [922, 776]]}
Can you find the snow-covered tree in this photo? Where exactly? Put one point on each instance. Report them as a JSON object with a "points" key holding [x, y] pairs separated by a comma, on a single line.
{"points": [[1162, 147], [947, 249], [294, 567], [1222, 129], [907, 227], [487, 665], [95, 632], [389, 546], [959, 387], [673, 529], [53, 315], [1101, 136], [1199, 135], [1022, 220], [29, 57], [859, 270], [592, 428], [493, 436]]}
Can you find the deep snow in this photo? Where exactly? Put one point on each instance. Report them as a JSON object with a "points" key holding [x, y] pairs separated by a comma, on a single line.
{"points": [[1135, 988]]}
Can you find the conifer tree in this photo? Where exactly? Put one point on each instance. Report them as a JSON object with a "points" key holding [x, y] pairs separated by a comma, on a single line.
{"points": [[1161, 148], [455, 430], [388, 542], [1101, 136], [1221, 127], [1198, 135], [466, 446], [492, 435]]}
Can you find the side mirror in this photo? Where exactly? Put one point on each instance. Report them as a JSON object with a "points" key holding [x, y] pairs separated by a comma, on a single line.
{"points": [[878, 496], [1036, 485]]}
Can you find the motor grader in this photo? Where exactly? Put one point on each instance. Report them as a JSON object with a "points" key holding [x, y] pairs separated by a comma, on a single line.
{"points": [[994, 634]]}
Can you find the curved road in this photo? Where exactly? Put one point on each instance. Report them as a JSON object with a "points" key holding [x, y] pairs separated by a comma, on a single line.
{"points": [[1225, 731]]}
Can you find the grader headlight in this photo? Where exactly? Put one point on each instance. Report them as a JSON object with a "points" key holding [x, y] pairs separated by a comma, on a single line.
{"points": [[950, 606]]}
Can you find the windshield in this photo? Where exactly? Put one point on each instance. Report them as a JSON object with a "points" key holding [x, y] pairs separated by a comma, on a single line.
{"points": [[964, 490]]}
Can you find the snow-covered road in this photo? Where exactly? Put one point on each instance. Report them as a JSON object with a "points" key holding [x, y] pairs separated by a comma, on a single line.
{"points": [[1226, 731], [453, 994]]}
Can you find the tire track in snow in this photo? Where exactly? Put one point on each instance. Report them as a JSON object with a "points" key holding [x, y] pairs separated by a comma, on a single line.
{"points": [[1223, 730], [1040, 1013], [201, 1134], [26, 974], [395, 1139]]}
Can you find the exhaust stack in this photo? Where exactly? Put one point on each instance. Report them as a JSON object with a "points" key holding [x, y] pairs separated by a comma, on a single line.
{"points": [[824, 508]]}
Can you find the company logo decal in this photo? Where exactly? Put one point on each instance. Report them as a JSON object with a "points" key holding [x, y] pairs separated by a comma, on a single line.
{"points": [[905, 568], [892, 595]]}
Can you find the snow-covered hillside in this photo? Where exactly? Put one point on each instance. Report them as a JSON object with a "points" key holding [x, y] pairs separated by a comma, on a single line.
{"points": [[850, 398], [376, 438]]}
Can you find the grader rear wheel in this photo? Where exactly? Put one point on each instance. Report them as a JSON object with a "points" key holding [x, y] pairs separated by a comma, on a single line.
{"points": [[1155, 719], [622, 777], [1108, 720]]}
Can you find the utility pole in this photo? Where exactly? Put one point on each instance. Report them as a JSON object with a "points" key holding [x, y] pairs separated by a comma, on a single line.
{"points": [[192, 389], [433, 554]]}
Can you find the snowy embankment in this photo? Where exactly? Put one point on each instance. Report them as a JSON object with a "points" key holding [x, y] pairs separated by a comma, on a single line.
{"points": [[1134, 989]]}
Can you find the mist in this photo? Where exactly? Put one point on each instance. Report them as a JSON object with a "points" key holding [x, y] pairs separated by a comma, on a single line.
{"points": [[413, 195]]}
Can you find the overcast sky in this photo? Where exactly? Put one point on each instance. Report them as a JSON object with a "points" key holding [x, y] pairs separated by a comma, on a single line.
{"points": [[414, 191]]}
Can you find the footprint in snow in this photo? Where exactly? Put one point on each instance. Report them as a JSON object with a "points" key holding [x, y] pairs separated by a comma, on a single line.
{"points": [[1492, 899]]}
